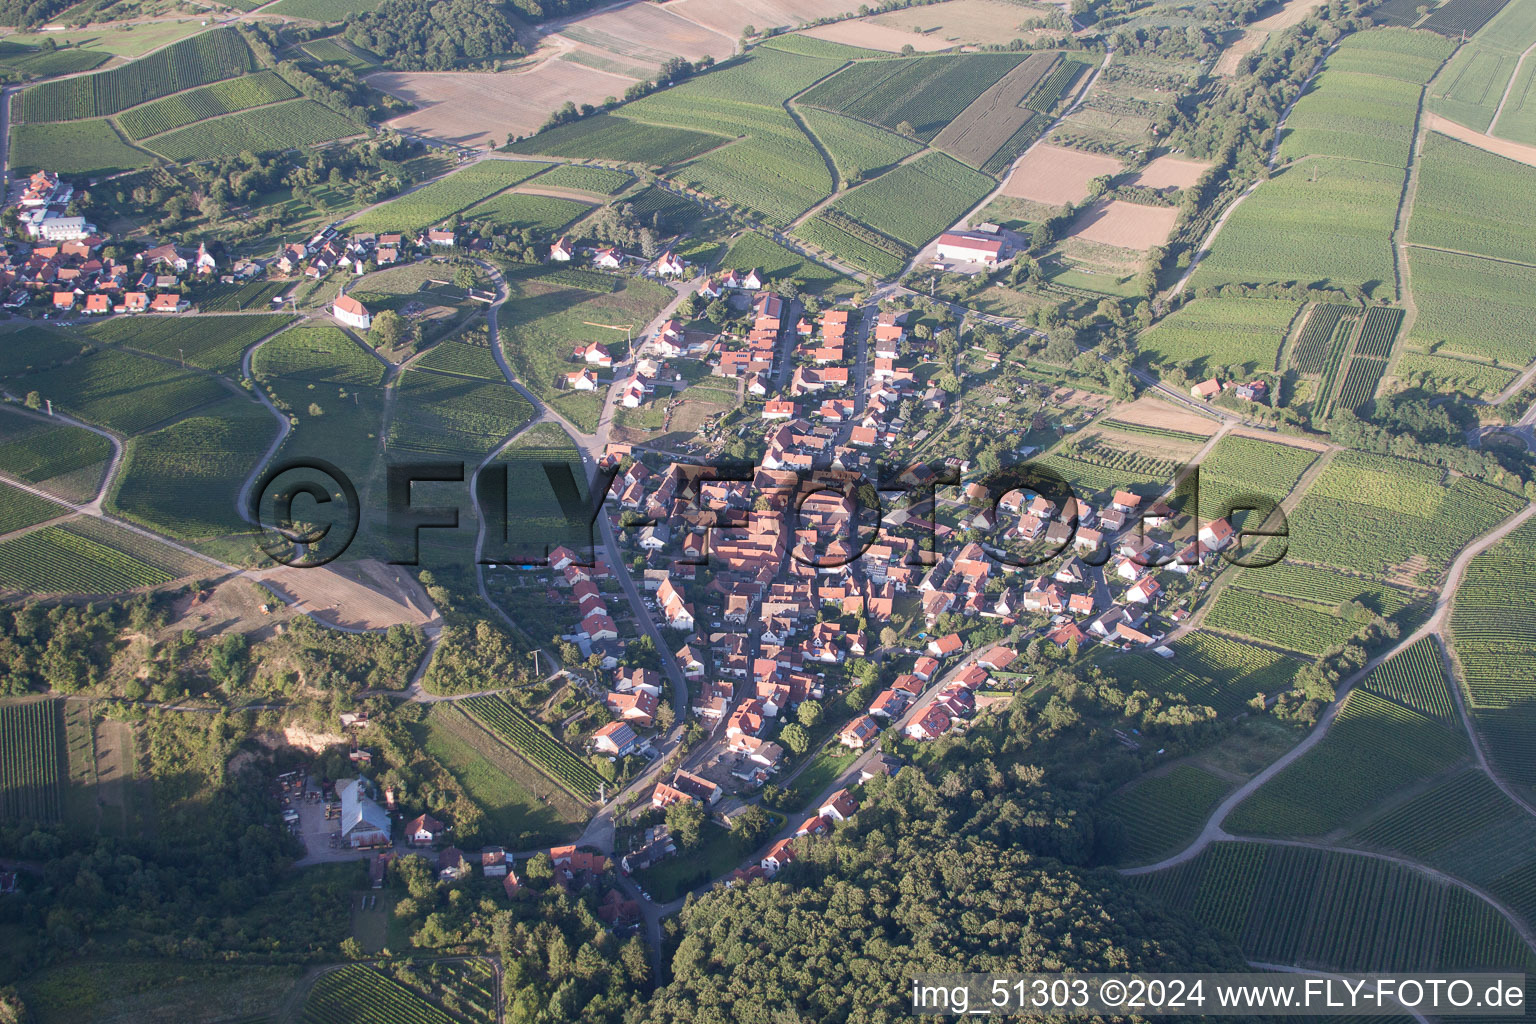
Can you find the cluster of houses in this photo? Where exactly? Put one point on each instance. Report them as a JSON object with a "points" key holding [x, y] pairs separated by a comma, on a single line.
{"points": [[366, 825], [42, 210], [65, 270], [954, 702], [71, 276], [329, 250], [759, 360]]}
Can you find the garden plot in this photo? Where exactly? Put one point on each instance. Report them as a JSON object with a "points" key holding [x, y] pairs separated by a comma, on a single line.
{"points": [[1057, 176]]}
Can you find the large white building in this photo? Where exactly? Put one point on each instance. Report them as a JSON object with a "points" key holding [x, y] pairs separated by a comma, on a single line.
{"points": [[41, 224], [966, 248]]}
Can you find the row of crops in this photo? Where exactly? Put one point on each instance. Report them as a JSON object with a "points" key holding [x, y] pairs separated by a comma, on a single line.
{"points": [[1416, 679], [209, 101], [1379, 331], [1312, 345], [1162, 813], [1359, 385], [1336, 353], [1467, 827], [441, 199], [1165, 433], [301, 122], [35, 451], [534, 742], [447, 415], [1319, 909], [926, 93], [213, 343], [1325, 587], [119, 390], [90, 556], [30, 768], [1208, 669], [1240, 468], [1293, 626], [1373, 748], [358, 994], [209, 57]]}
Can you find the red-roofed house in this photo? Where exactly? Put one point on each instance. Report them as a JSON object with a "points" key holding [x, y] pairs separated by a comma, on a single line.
{"points": [[839, 806], [779, 855], [859, 733], [352, 313], [930, 725], [944, 646]]}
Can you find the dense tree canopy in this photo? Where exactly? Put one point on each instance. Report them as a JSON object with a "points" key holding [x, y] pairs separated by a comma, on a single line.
{"points": [[420, 36]]}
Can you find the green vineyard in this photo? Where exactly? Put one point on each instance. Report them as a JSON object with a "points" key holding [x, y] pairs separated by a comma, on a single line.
{"points": [[1311, 354], [1208, 669], [1162, 813], [1373, 748], [535, 742], [358, 994], [1416, 679], [1336, 911], [202, 59], [1296, 627], [1337, 350], [209, 101], [279, 126], [1493, 626], [1379, 332], [1318, 586], [1166, 433], [1360, 382], [30, 765]]}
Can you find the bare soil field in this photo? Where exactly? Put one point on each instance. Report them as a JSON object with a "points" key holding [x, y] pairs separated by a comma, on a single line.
{"points": [[357, 595], [1127, 225], [1150, 411], [964, 22], [877, 37], [479, 107], [731, 16], [231, 604], [1255, 35], [650, 33], [1057, 176], [1515, 151], [1170, 172]]}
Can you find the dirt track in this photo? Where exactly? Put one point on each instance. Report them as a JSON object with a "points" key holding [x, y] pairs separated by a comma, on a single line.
{"points": [[1516, 151]]}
